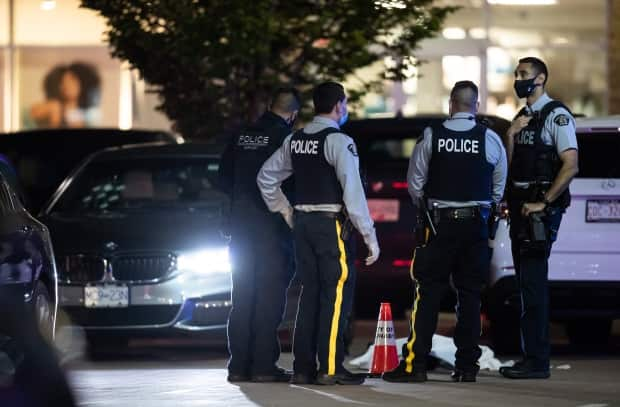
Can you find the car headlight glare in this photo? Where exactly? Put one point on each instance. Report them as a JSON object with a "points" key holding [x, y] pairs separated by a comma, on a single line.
{"points": [[216, 260]]}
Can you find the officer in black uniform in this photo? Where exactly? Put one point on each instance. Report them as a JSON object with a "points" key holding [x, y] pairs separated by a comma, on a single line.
{"points": [[542, 154], [458, 170], [327, 183], [261, 247]]}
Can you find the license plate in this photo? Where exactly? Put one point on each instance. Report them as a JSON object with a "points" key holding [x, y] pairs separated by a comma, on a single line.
{"points": [[603, 210], [106, 296], [384, 210]]}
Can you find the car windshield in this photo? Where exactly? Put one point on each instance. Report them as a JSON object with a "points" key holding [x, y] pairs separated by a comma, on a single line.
{"points": [[144, 184], [598, 155]]}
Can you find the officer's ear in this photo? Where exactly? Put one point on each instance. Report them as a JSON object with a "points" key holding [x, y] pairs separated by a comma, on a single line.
{"points": [[540, 79], [477, 107]]}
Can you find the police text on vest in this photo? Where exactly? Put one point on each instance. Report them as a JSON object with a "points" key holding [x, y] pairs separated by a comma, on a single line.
{"points": [[458, 146], [525, 137], [305, 146]]}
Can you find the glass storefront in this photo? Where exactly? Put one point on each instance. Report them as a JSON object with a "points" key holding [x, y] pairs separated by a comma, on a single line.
{"points": [[57, 52], [58, 47], [483, 41]]}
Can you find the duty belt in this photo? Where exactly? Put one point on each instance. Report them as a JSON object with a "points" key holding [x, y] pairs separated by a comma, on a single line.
{"points": [[465, 213], [327, 214]]}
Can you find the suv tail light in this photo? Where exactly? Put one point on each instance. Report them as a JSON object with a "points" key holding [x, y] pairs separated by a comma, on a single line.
{"points": [[401, 263]]}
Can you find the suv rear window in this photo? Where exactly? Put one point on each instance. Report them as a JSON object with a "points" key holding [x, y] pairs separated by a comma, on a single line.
{"points": [[391, 149], [598, 155]]}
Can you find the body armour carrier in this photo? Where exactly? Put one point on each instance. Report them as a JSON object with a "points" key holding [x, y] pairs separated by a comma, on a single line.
{"points": [[316, 182], [533, 161], [253, 147], [459, 170]]}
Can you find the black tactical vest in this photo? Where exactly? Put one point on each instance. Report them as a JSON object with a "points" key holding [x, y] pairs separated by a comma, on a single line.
{"points": [[534, 161], [252, 147], [459, 170], [316, 182]]}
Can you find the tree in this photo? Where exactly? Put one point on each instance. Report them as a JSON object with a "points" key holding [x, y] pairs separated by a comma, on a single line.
{"points": [[214, 62]]}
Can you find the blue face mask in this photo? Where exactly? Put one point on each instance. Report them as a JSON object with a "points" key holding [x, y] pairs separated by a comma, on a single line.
{"points": [[343, 118]]}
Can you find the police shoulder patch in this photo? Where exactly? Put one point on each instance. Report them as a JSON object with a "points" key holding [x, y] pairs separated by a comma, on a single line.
{"points": [[561, 120], [351, 148]]}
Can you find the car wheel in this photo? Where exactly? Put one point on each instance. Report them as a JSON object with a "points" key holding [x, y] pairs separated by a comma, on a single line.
{"points": [[587, 332], [503, 310], [43, 310]]}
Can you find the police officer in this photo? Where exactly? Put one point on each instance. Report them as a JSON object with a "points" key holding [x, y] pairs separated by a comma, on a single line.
{"points": [[327, 181], [542, 154], [456, 172], [261, 247]]}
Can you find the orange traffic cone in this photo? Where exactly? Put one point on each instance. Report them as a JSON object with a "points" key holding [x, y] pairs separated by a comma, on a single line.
{"points": [[384, 356]]}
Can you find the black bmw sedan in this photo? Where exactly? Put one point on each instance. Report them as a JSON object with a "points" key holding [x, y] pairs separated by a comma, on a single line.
{"points": [[138, 242]]}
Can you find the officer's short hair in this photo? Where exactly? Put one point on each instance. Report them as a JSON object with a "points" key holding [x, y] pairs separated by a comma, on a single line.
{"points": [[464, 94], [286, 99], [326, 95], [538, 65]]}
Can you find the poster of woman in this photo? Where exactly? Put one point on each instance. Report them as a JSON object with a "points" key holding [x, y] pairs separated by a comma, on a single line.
{"points": [[72, 97]]}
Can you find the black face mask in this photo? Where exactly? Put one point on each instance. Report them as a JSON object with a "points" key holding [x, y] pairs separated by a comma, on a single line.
{"points": [[524, 87]]}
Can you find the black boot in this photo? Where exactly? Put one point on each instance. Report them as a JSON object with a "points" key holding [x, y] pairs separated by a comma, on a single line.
{"points": [[525, 370], [343, 378], [277, 375], [400, 375], [465, 376], [303, 378]]}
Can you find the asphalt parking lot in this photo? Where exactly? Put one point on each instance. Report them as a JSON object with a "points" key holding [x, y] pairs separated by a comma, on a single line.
{"points": [[190, 373]]}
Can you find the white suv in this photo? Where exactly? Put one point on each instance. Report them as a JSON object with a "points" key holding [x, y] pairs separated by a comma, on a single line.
{"points": [[584, 267]]}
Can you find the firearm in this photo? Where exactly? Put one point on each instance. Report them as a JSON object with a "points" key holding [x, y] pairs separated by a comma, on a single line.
{"points": [[424, 220], [493, 220], [534, 236], [347, 226]]}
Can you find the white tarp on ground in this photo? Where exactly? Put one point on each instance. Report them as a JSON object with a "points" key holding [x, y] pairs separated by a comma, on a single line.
{"points": [[443, 348]]}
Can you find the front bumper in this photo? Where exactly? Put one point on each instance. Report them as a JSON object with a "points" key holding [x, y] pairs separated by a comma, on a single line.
{"points": [[185, 302]]}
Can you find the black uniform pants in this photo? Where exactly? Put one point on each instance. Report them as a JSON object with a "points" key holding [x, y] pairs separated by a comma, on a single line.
{"points": [[532, 270], [327, 290], [461, 249], [262, 260]]}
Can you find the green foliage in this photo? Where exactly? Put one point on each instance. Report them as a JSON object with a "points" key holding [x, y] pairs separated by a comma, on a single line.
{"points": [[214, 62]]}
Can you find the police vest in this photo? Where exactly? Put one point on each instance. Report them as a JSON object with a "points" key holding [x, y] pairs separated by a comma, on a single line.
{"points": [[252, 147], [458, 169], [316, 182], [533, 160]]}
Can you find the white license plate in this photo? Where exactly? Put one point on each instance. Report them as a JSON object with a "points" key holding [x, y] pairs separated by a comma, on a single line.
{"points": [[106, 296], [603, 210], [384, 210]]}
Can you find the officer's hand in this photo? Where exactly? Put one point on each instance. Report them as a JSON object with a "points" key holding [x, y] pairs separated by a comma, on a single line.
{"points": [[373, 249], [532, 207], [287, 214], [519, 124]]}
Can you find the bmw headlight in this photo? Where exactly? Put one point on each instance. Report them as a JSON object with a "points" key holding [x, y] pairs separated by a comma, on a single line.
{"points": [[206, 261]]}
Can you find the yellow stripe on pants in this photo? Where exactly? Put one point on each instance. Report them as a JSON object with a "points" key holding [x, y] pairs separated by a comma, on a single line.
{"points": [[333, 336], [411, 354]]}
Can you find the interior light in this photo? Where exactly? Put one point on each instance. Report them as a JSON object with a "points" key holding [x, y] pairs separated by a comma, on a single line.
{"points": [[478, 33], [48, 5], [523, 2], [560, 41], [453, 33]]}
